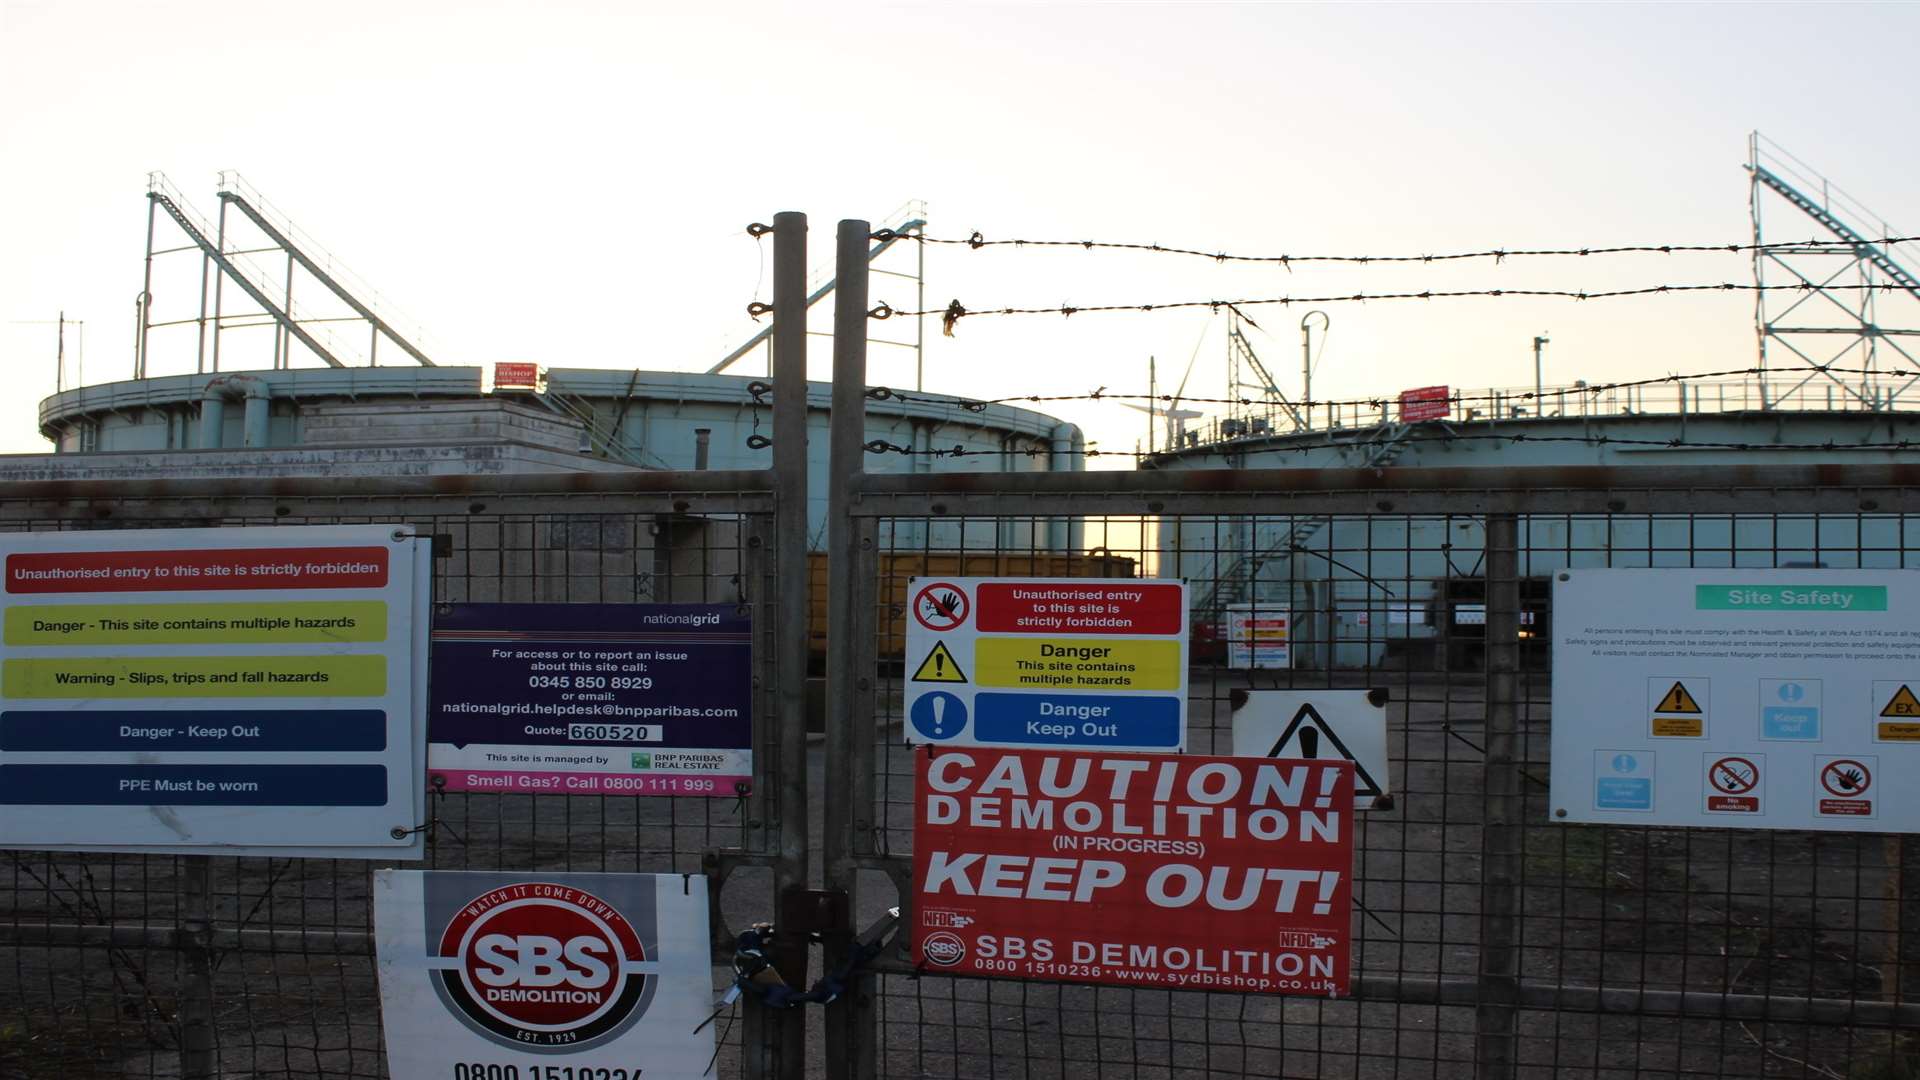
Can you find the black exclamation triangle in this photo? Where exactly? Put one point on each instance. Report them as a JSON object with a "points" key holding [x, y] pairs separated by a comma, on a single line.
{"points": [[939, 664], [1309, 742]]}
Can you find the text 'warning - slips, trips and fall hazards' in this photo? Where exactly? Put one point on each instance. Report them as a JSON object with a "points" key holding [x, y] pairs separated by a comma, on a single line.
{"points": [[1062, 662]]}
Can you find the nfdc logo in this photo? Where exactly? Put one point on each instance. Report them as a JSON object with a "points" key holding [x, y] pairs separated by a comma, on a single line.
{"points": [[543, 965]]}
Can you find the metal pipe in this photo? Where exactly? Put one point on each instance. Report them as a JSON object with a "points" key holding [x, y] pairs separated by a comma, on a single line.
{"points": [[791, 585], [1497, 1011], [146, 301], [282, 345], [196, 997], [219, 284], [1077, 525], [213, 415], [1306, 359], [702, 442], [1539, 383], [257, 421], [920, 321], [200, 346], [849, 1029], [1061, 460]]}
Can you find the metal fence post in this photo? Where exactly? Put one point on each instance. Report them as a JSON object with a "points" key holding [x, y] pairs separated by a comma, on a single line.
{"points": [[1500, 836], [786, 1029], [849, 1023], [196, 991]]}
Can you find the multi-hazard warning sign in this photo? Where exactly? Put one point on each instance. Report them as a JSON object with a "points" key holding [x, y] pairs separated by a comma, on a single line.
{"points": [[939, 666], [1733, 783], [1678, 711], [1065, 662], [1319, 725]]}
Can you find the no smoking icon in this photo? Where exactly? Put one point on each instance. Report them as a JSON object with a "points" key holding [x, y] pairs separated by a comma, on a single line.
{"points": [[1734, 775]]}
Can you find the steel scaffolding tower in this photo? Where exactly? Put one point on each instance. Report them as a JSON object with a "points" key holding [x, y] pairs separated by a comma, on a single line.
{"points": [[1853, 288], [271, 291]]}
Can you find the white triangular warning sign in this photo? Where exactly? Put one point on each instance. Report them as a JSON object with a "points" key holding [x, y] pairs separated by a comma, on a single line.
{"points": [[1678, 701], [1308, 735], [1903, 703], [939, 666]]}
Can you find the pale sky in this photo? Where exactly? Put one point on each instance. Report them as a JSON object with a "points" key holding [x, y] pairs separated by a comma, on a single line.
{"points": [[568, 183]]}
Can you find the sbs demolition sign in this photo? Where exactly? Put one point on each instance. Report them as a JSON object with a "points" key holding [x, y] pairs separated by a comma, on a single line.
{"points": [[510, 976]]}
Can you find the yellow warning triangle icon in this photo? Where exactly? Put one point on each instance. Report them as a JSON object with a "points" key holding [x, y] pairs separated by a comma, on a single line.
{"points": [[1677, 701], [1903, 703], [939, 666]]}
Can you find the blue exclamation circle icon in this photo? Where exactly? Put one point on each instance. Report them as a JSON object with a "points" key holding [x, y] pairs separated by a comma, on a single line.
{"points": [[938, 715]]}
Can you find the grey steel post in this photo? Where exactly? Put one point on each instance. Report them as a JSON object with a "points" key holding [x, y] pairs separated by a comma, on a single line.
{"points": [[849, 1025], [146, 302], [282, 343], [219, 283], [790, 572], [206, 271], [196, 996], [1496, 1011]]}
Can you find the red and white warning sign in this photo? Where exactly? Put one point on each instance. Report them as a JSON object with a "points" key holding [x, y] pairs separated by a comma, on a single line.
{"points": [[1845, 786], [1161, 870], [941, 606], [1733, 783], [577, 974]]}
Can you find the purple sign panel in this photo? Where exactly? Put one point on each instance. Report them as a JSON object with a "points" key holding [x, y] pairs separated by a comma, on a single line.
{"points": [[591, 699]]}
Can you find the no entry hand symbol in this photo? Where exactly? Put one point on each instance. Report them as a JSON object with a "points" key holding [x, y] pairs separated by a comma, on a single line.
{"points": [[1845, 778], [940, 607]]}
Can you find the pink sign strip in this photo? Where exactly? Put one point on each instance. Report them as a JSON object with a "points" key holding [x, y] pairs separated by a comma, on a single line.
{"points": [[579, 783]]}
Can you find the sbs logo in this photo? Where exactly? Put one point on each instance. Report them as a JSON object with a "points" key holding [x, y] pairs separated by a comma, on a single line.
{"points": [[540, 964], [944, 948]]}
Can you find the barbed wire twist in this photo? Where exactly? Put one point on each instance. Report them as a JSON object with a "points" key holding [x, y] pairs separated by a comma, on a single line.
{"points": [[955, 310], [881, 393], [978, 241]]}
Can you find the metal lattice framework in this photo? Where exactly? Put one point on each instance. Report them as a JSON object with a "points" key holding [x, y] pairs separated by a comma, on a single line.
{"points": [[1864, 321]]}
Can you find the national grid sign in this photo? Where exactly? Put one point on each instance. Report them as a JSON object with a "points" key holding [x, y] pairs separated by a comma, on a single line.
{"points": [[1092, 663]]}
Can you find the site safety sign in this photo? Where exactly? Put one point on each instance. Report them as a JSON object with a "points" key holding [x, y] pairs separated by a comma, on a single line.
{"points": [[1773, 699], [592, 699], [207, 690], [499, 974], [1157, 870], [1075, 662]]}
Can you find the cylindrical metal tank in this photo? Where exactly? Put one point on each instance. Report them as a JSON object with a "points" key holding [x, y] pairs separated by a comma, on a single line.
{"points": [[1364, 591]]}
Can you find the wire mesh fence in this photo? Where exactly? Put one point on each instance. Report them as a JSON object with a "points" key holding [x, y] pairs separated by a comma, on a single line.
{"points": [[103, 957], [1487, 939]]}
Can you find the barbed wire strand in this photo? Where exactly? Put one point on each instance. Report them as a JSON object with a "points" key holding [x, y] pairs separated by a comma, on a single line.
{"points": [[978, 241], [955, 311], [882, 446], [882, 393]]}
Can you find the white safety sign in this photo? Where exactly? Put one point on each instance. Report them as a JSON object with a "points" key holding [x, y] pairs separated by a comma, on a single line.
{"points": [[1258, 635], [251, 691], [1772, 698], [496, 974], [1319, 724], [1086, 663]]}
